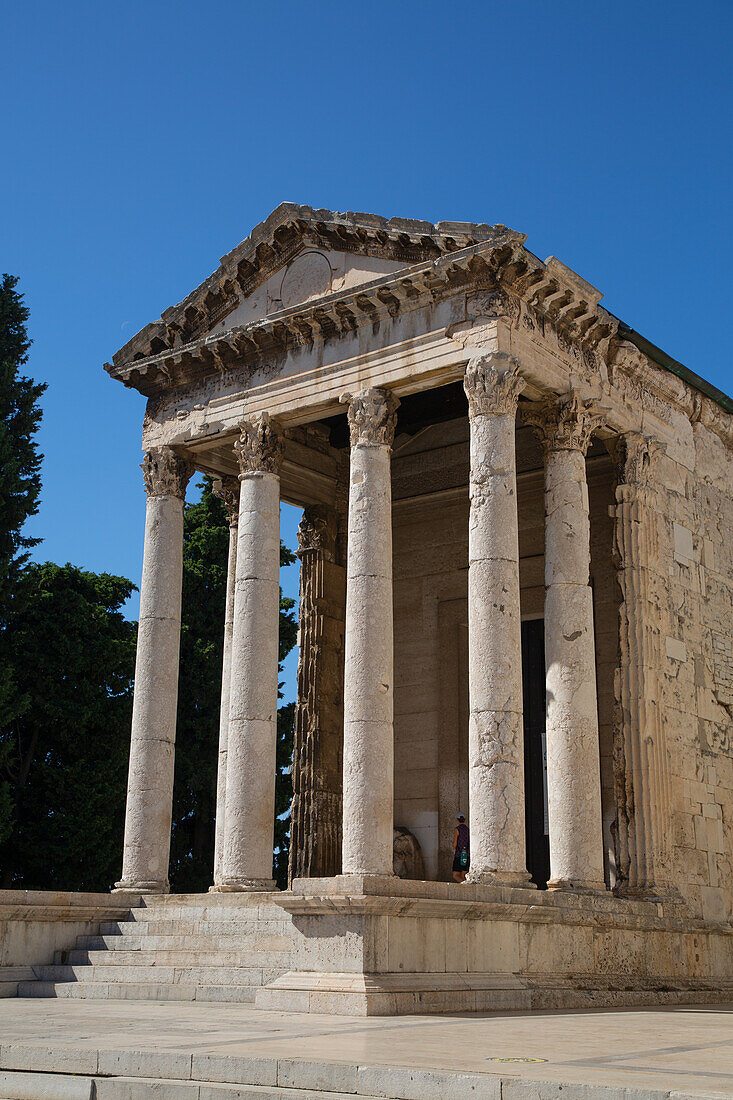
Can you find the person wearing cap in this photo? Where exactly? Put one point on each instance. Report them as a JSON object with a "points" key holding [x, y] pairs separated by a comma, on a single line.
{"points": [[461, 849]]}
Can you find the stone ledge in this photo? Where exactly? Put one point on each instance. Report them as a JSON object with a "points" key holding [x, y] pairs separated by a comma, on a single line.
{"points": [[375, 895], [408, 994], [52, 905]]}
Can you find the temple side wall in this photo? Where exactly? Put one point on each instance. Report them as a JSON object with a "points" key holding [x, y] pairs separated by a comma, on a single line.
{"points": [[695, 520]]}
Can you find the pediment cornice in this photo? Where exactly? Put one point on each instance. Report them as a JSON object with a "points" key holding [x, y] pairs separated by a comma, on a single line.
{"points": [[276, 241], [513, 276]]}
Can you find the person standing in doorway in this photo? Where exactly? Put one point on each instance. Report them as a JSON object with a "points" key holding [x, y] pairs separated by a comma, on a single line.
{"points": [[461, 849]]}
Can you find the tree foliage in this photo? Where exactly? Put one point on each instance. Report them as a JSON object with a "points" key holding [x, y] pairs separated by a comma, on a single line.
{"points": [[20, 417], [63, 754]]}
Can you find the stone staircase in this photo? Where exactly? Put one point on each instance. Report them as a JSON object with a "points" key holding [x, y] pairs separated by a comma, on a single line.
{"points": [[199, 947]]}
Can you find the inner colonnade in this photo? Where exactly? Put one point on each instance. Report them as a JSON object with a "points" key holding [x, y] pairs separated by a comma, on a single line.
{"points": [[493, 384]]}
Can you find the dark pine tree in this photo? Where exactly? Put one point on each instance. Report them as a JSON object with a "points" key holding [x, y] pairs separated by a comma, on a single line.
{"points": [[64, 754], [20, 485]]}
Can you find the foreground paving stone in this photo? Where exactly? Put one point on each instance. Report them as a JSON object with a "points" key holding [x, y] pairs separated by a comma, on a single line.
{"points": [[216, 1052]]}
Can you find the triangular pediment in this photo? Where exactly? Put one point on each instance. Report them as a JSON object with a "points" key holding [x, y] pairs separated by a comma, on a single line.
{"points": [[310, 274], [296, 254]]}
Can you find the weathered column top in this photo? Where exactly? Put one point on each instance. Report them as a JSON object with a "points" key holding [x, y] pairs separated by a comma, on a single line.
{"points": [[227, 490], [166, 473], [635, 456], [372, 416], [493, 384], [318, 531], [260, 446], [564, 423]]}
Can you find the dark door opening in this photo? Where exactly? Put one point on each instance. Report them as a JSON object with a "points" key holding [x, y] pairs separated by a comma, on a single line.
{"points": [[535, 762]]}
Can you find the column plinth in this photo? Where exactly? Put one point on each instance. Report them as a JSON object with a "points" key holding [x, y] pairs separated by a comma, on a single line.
{"points": [[152, 746], [495, 732], [368, 752], [227, 489], [249, 809], [565, 427]]}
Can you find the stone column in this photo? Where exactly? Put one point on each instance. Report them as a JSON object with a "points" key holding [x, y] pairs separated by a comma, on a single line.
{"points": [[249, 811], [369, 659], [495, 733], [565, 427], [641, 762], [150, 779], [227, 489], [315, 821]]}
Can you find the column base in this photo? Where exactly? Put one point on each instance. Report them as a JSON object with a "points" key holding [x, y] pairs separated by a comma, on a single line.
{"points": [[244, 885], [125, 887], [577, 886], [501, 878]]}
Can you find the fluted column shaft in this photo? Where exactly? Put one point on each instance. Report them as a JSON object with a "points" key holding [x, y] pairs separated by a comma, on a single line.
{"points": [[227, 489], [643, 821], [150, 779], [249, 811], [315, 820], [573, 751], [495, 732], [368, 674]]}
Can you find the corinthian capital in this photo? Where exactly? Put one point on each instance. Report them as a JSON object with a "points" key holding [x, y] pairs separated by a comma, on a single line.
{"points": [[227, 490], [165, 473], [635, 456], [372, 416], [260, 446], [492, 384], [317, 531], [565, 423]]}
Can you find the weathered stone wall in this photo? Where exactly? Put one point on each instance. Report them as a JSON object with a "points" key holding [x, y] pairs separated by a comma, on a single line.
{"points": [[695, 520]]}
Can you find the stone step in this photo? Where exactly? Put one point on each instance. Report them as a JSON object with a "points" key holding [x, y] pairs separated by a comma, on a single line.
{"points": [[138, 991], [165, 975], [245, 942], [202, 910], [194, 927], [139, 1088], [149, 955]]}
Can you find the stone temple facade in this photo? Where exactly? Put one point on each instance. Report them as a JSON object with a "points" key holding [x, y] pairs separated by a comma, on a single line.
{"points": [[516, 602]]}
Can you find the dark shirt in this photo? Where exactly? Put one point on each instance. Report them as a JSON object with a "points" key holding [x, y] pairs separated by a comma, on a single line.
{"points": [[463, 841]]}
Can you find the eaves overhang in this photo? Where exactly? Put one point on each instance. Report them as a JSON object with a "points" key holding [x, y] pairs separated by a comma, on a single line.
{"points": [[549, 290]]}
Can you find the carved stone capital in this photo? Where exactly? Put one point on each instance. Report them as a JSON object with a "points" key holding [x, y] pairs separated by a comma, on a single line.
{"points": [[227, 490], [493, 384], [565, 423], [260, 446], [636, 456], [317, 531], [165, 473], [372, 416]]}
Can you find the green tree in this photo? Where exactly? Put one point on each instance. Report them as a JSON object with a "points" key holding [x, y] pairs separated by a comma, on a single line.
{"points": [[20, 485], [64, 752], [20, 417], [205, 551]]}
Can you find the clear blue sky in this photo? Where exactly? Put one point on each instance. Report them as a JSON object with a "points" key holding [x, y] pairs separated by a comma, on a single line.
{"points": [[142, 141]]}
